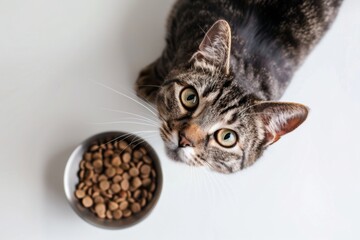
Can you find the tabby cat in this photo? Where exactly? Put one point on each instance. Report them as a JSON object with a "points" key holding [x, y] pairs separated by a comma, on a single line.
{"points": [[225, 64]]}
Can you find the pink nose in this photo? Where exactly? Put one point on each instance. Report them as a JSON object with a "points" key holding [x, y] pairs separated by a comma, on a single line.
{"points": [[184, 142]]}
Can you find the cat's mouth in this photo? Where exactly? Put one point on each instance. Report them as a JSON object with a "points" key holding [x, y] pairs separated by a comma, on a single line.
{"points": [[183, 154]]}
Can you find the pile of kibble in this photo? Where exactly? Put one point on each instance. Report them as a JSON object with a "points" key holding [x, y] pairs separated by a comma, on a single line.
{"points": [[115, 180]]}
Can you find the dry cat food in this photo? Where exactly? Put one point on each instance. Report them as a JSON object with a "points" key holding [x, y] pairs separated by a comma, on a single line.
{"points": [[116, 180]]}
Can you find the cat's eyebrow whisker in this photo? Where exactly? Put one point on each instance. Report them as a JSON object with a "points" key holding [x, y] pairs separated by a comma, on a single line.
{"points": [[154, 120], [127, 96]]}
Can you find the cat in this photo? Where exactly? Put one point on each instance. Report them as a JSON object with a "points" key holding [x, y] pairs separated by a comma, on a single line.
{"points": [[225, 65]]}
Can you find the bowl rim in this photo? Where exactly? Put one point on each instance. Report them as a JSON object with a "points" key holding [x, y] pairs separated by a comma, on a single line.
{"points": [[101, 223]]}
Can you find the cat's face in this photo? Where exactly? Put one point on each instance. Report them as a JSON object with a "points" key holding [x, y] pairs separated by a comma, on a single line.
{"points": [[207, 120]]}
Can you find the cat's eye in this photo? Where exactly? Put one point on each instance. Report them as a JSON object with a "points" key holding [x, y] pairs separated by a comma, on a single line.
{"points": [[226, 137], [189, 98]]}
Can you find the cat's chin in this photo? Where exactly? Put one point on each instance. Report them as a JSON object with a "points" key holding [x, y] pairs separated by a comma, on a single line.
{"points": [[184, 155]]}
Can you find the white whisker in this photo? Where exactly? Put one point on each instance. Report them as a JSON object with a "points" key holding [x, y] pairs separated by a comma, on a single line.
{"points": [[122, 94]]}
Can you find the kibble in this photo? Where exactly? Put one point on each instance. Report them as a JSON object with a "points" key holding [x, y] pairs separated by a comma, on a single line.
{"points": [[116, 180], [87, 201]]}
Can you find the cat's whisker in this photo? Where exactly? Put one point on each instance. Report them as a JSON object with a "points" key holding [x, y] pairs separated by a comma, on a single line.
{"points": [[155, 120], [127, 135], [127, 96], [125, 122], [138, 140], [142, 100], [149, 105]]}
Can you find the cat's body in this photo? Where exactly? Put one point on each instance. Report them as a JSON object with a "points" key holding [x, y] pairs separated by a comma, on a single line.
{"points": [[234, 66]]}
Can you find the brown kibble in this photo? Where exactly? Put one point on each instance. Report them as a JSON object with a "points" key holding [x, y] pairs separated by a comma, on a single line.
{"points": [[117, 214], [98, 164], [82, 174], [94, 148], [152, 187], [136, 182], [110, 172], [96, 155], [138, 166], [143, 150], [137, 154], [87, 156], [122, 145], [146, 182], [100, 209], [126, 176], [79, 194], [88, 183], [125, 166], [131, 200], [135, 207], [117, 179], [82, 164], [119, 170], [108, 153], [124, 184], [149, 197], [123, 205], [127, 213], [137, 194], [113, 206], [153, 173], [89, 174], [145, 169], [98, 199], [89, 191], [81, 185], [143, 202], [147, 159], [87, 201], [109, 214], [104, 185], [134, 172], [107, 162], [109, 146], [116, 161], [126, 157], [102, 177], [95, 194], [115, 187], [123, 194]]}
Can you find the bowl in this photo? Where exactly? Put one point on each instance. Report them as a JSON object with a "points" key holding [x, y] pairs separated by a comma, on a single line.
{"points": [[71, 179]]}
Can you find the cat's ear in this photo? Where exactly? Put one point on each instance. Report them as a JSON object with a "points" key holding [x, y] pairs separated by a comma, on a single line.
{"points": [[280, 118], [214, 50]]}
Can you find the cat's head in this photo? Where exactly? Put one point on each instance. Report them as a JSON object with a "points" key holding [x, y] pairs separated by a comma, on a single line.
{"points": [[208, 120]]}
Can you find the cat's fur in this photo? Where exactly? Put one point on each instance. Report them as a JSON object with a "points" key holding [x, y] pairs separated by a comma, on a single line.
{"points": [[239, 55]]}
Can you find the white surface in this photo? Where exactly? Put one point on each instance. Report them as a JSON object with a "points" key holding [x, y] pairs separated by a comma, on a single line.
{"points": [[53, 53]]}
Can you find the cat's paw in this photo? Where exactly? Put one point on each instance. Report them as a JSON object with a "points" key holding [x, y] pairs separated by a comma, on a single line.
{"points": [[147, 85]]}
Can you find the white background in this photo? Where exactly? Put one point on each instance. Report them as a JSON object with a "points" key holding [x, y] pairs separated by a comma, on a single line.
{"points": [[54, 56]]}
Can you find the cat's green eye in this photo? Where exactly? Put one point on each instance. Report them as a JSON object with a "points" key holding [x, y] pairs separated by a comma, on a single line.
{"points": [[226, 137], [189, 98]]}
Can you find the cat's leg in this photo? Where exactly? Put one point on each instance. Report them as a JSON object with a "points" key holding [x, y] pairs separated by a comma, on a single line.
{"points": [[149, 81]]}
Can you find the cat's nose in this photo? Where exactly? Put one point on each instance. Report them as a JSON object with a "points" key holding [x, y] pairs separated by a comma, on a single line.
{"points": [[184, 142]]}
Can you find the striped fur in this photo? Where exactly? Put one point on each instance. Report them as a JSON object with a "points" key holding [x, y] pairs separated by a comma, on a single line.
{"points": [[239, 55]]}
